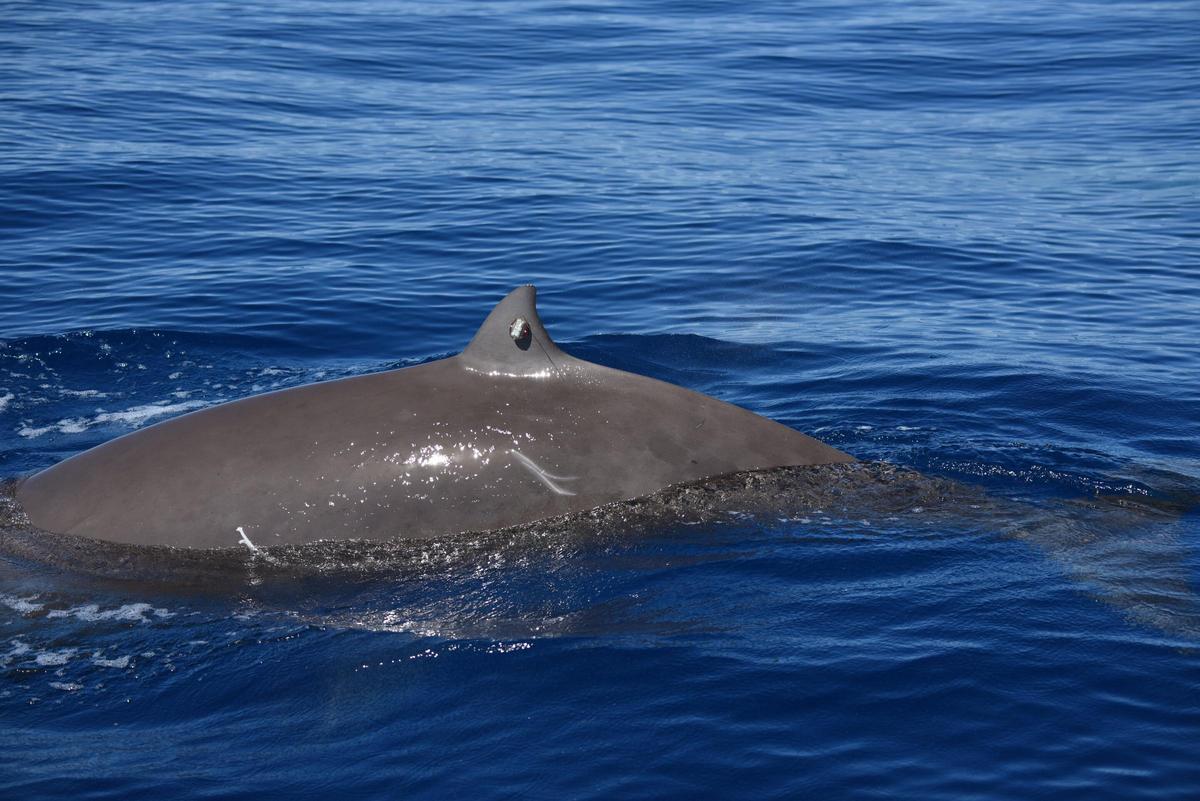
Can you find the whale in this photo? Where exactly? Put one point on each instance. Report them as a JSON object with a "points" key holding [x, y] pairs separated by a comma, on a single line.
{"points": [[510, 431]]}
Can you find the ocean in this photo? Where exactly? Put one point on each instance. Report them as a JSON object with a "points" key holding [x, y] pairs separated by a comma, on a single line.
{"points": [[958, 237]]}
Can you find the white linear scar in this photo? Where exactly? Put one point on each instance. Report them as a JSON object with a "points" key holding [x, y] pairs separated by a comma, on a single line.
{"points": [[246, 540], [541, 475]]}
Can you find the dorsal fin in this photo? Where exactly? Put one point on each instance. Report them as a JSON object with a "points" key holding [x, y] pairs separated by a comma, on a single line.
{"points": [[513, 341]]}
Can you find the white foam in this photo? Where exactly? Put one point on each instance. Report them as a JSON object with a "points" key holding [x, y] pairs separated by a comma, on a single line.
{"points": [[54, 658], [19, 649], [133, 417], [140, 414], [29, 432], [92, 613], [22, 605], [4, 399], [119, 662], [66, 686]]}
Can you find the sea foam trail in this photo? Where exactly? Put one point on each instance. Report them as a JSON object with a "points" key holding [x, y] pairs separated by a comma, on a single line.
{"points": [[133, 417]]}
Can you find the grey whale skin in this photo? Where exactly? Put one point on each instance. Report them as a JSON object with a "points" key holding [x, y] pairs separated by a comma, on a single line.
{"points": [[510, 431]]}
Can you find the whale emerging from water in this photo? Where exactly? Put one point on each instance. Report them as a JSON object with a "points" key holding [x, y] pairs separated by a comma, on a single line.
{"points": [[510, 431]]}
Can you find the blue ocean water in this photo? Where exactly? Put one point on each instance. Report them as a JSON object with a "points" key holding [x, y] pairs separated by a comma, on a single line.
{"points": [[957, 236]]}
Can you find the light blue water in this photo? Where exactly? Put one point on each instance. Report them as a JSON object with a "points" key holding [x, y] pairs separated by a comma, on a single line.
{"points": [[957, 236]]}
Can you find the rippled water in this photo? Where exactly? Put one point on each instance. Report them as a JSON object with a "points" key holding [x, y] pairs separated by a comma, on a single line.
{"points": [[958, 237]]}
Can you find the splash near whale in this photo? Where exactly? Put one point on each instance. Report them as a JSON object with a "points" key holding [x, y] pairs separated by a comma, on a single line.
{"points": [[510, 431]]}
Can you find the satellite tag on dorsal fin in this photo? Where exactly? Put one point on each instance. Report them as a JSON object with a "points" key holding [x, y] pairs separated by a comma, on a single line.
{"points": [[513, 341]]}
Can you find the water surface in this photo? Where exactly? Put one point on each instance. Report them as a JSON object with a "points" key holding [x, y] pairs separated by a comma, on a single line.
{"points": [[958, 237]]}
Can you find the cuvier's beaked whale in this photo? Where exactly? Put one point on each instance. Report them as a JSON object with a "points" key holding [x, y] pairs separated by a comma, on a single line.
{"points": [[510, 431]]}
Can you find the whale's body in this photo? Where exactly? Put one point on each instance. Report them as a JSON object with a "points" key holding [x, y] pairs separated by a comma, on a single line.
{"points": [[510, 431]]}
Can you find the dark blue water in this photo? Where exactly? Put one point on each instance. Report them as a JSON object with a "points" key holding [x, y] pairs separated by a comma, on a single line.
{"points": [[957, 236]]}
